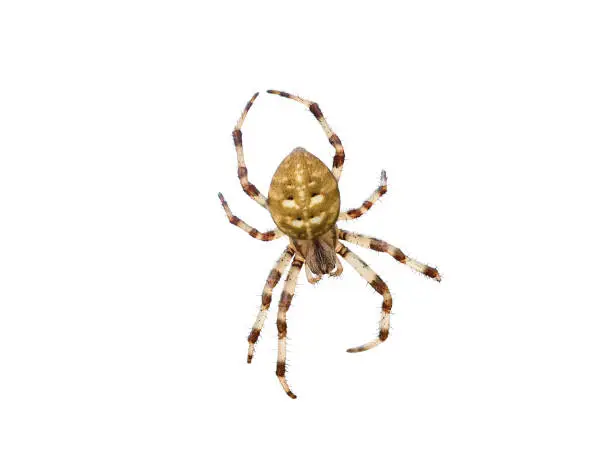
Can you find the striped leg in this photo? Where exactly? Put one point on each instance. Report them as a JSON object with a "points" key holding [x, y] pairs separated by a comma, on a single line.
{"points": [[383, 246], [281, 322], [368, 203], [331, 136], [247, 186], [379, 286], [267, 236], [266, 299]]}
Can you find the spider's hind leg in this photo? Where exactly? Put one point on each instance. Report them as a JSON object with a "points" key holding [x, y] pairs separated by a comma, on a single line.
{"points": [[379, 286], [281, 323], [266, 298]]}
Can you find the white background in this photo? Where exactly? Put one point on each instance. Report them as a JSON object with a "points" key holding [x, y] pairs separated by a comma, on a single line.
{"points": [[126, 296]]}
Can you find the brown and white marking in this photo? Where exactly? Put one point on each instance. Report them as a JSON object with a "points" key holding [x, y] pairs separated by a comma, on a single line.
{"points": [[379, 286], [368, 203], [304, 202], [338, 161], [382, 246], [266, 236], [281, 322], [250, 189], [266, 298]]}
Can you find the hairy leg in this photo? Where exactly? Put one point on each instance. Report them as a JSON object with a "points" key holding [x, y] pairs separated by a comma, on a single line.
{"points": [[379, 286], [266, 236], [331, 136], [368, 203], [396, 253], [281, 322], [250, 189], [266, 298]]}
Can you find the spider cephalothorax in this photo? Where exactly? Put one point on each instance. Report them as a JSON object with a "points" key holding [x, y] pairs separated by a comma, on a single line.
{"points": [[304, 202]]}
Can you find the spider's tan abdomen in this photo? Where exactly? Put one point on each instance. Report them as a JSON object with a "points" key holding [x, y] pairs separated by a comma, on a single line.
{"points": [[304, 199]]}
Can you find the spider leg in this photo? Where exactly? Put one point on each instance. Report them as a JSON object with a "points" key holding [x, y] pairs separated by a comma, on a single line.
{"points": [[266, 236], [396, 253], [281, 322], [247, 186], [266, 298], [379, 286], [368, 203], [331, 136]]}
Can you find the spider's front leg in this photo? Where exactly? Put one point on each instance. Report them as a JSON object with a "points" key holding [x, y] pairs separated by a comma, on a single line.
{"points": [[333, 139], [379, 286], [267, 236], [281, 322], [243, 174], [368, 203]]}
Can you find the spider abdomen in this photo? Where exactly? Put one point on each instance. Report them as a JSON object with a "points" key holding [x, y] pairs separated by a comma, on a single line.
{"points": [[304, 199]]}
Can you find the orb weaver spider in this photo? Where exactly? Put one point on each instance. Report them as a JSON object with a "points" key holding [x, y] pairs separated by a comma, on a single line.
{"points": [[304, 202]]}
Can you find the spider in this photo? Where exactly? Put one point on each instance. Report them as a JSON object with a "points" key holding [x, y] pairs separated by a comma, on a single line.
{"points": [[304, 202]]}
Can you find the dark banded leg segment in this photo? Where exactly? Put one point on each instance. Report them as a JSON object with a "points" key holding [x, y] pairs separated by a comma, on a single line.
{"points": [[266, 236], [247, 186], [368, 203], [281, 323], [331, 136], [379, 286], [396, 253], [266, 298]]}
